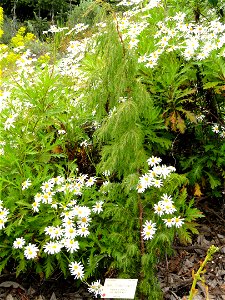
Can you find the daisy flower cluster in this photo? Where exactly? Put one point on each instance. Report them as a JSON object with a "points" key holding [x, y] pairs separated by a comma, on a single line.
{"points": [[78, 28], [129, 29], [148, 230], [3, 215], [74, 219], [25, 64], [220, 130], [96, 288], [129, 3], [76, 269], [175, 221], [9, 122], [194, 41], [154, 177], [55, 29], [70, 64], [59, 184], [4, 96], [166, 207], [30, 251]]}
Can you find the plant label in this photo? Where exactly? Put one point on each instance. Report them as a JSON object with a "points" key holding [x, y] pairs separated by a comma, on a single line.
{"points": [[119, 288]]}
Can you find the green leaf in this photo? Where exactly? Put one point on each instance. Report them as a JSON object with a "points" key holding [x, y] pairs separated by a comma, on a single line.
{"points": [[132, 250], [192, 213], [63, 263], [93, 263], [190, 116], [21, 267], [49, 266], [23, 203], [196, 172], [192, 227], [146, 259], [214, 181], [38, 268], [4, 252], [3, 263], [9, 228], [209, 147], [213, 2], [44, 157], [184, 235], [210, 85]]}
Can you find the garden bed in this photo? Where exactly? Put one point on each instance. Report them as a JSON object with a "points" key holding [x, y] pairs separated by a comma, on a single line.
{"points": [[174, 273]]}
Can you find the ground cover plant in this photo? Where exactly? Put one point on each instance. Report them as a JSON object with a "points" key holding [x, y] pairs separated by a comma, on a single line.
{"points": [[107, 138]]}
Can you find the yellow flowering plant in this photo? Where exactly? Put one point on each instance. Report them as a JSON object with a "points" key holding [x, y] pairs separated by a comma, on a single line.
{"points": [[22, 38]]}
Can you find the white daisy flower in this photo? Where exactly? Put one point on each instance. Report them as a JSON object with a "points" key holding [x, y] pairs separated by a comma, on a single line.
{"points": [[31, 251], [177, 221], [76, 268], [71, 245], [26, 184], [152, 161], [97, 208], [19, 243], [83, 231], [52, 247], [168, 222]]}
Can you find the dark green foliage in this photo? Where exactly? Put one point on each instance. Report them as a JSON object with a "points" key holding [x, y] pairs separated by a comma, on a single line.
{"points": [[25, 9], [213, 2]]}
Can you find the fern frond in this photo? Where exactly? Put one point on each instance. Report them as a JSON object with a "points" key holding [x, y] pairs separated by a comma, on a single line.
{"points": [[49, 266]]}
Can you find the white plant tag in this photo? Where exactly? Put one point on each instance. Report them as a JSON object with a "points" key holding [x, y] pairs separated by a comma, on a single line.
{"points": [[119, 288]]}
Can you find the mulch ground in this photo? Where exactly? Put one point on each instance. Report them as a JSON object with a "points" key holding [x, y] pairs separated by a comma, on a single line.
{"points": [[174, 273]]}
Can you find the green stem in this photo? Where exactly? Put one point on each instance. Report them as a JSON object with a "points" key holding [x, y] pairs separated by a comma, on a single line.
{"points": [[197, 276]]}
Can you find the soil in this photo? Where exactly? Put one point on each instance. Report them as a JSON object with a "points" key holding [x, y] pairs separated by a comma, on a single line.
{"points": [[174, 273]]}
